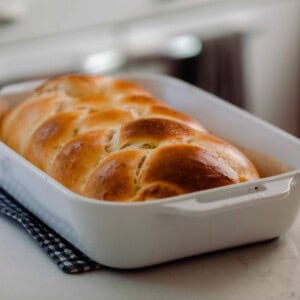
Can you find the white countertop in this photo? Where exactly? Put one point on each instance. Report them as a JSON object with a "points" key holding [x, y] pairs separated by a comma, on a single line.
{"points": [[269, 270]]}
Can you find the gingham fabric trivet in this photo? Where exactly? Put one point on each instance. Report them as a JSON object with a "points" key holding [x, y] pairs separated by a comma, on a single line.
{"points": [[68, 258]]}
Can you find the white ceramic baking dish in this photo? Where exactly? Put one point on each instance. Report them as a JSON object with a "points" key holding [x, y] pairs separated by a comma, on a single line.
{"points": [[131, 235]]}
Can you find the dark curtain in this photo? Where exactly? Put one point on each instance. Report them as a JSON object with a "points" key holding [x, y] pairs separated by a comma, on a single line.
{"points": [[217, 69]]}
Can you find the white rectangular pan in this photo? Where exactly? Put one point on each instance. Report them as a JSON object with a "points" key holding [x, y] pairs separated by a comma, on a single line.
{"points": [[131, 235]]}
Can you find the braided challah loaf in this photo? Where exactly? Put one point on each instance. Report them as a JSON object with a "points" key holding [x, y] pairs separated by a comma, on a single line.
{"points": [[110, 139]]}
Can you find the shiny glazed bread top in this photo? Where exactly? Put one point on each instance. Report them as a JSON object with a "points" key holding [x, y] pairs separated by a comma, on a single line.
{"points": [[110, 139]]}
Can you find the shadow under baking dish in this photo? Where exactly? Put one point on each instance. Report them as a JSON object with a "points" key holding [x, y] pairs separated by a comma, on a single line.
{"points": [[134, 235]]}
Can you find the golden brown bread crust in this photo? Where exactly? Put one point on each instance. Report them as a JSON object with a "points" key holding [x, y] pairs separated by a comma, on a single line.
{"points": [[196, 168], [77, 158], [3, 108], [110, 139], [48, 138], [115, 177], [153, 132]]}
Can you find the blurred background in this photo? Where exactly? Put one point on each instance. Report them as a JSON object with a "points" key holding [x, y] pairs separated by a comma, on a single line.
{"points": [[245, 51]]}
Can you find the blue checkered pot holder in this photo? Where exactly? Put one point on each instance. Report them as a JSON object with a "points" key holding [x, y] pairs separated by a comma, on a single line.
{"points": [[68, 258]]}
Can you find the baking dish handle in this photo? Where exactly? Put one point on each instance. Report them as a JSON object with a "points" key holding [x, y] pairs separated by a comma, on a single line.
{"points": [[269, 191]]}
